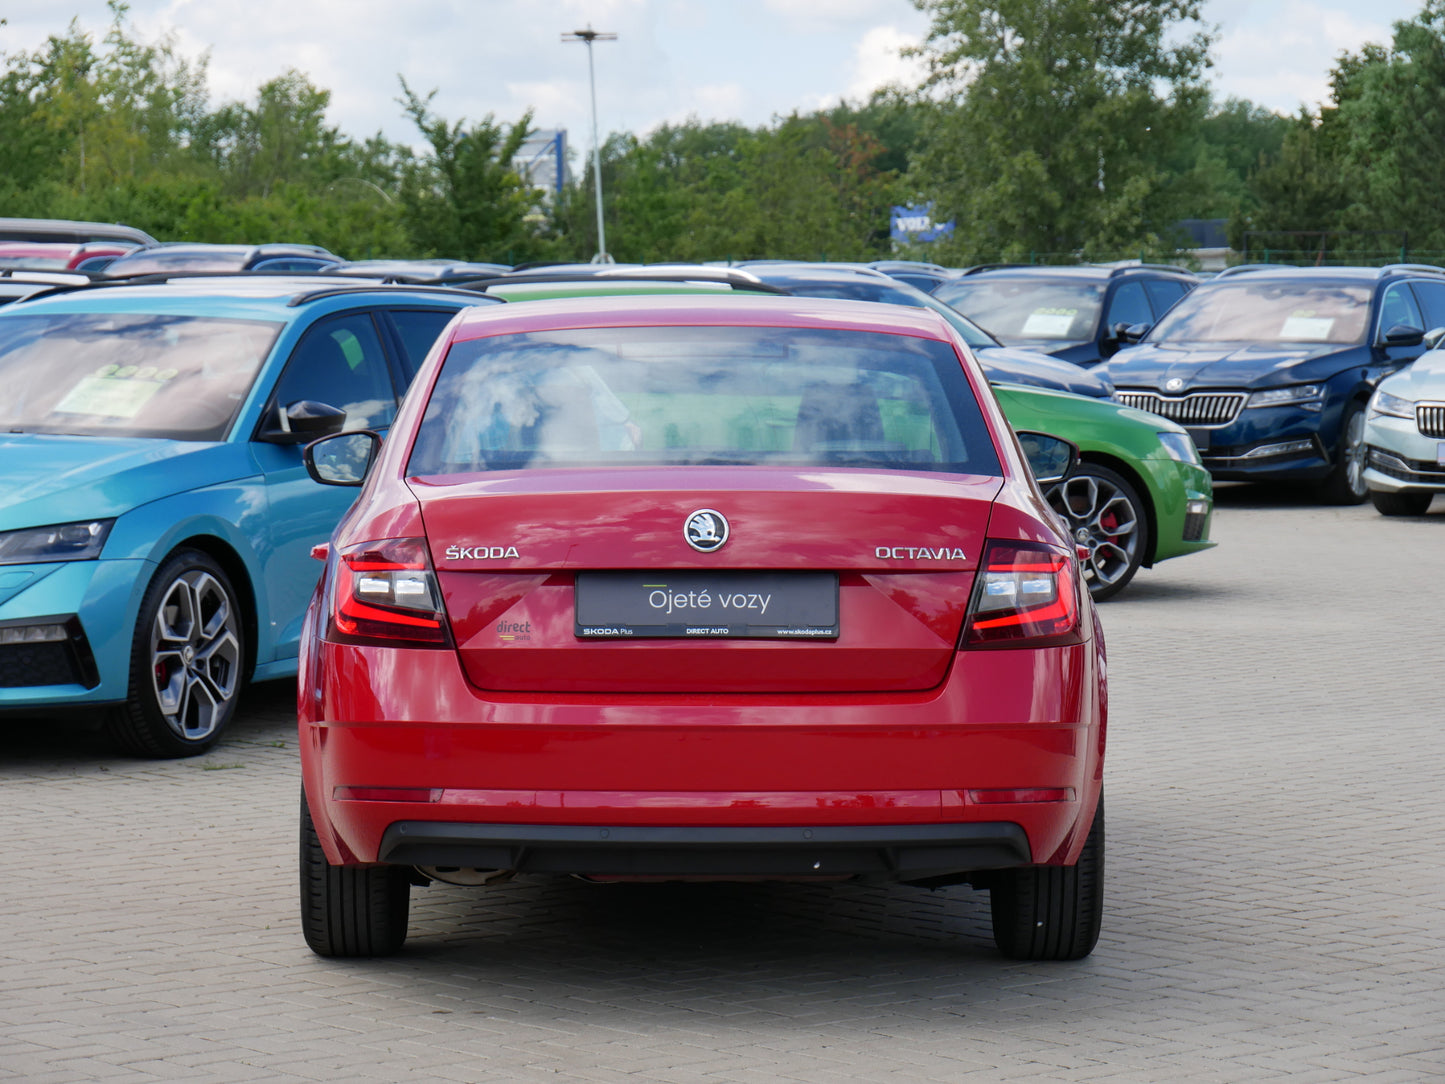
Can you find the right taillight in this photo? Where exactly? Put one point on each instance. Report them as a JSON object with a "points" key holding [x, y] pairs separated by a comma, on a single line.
{"points": [[1024, 596], [386, 593]]}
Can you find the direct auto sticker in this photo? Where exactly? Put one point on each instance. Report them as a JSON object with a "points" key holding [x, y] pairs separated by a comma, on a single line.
{"points": [[115, 391]]}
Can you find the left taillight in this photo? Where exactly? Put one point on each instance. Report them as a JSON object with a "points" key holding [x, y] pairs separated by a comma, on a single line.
{"points": [[386, 593], [1024, 596]]}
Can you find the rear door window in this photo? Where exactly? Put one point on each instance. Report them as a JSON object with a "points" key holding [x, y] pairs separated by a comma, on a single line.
{"points": [[1162, 294], [418, 329], [1431, 296]]}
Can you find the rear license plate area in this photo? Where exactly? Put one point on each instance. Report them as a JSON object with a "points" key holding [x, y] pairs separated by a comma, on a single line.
{"points": [[706, 605]]}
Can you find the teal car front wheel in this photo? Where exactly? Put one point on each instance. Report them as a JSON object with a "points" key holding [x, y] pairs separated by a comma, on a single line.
{"points": [[1104, 514], [187, 661]]}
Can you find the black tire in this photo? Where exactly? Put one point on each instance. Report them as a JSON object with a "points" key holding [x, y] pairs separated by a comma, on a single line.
{"points": [[187, 661], [1052, 912], [1401, 502], [1346, 482], [350, 910], [1104, 512]]}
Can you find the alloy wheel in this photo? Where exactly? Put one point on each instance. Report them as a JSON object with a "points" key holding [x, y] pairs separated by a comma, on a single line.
{"points": [[1103, 517], [195, 654]]}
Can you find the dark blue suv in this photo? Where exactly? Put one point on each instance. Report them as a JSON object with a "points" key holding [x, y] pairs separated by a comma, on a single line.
{"points": [[1270, 370], [1077, 314]]}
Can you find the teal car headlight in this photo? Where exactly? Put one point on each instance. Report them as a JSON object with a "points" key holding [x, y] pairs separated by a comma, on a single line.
{"points": [[59, 542], [1180, 447], [1392, 405], [1294, 394]]}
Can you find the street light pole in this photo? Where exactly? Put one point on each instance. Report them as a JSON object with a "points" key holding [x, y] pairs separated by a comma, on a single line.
{"points": [[589, 36]]}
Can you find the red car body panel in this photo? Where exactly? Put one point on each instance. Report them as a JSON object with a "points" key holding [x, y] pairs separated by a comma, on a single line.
{"points": [[519, 721]]}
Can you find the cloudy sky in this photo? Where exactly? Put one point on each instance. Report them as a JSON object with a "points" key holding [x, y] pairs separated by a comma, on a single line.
{"points": [[744, 60]]}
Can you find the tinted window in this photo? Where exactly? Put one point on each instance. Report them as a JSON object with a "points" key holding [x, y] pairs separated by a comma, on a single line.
{"points": [[684, 395], [1432, 297], [1163, 293], [419, 329], [1017, 310], [340, 362], [128, 374], [1241, 310], [1129, 306], [1398, 307]]}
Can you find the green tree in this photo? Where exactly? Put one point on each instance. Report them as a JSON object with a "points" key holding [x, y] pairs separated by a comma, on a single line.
{"points": [[465, 199], [1054, 119]]}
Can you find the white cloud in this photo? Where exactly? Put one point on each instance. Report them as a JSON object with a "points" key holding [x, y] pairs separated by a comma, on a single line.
{"points": [[878, 61], [1280, 56]]}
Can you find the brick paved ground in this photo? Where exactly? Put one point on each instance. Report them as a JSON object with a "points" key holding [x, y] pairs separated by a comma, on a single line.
{"points": [[1275, 889]]}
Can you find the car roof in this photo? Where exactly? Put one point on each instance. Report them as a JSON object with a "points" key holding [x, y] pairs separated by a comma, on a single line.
{"points": [[735, 310], [65, 229], [1070, 271], [264, 296], [1274, 273]]}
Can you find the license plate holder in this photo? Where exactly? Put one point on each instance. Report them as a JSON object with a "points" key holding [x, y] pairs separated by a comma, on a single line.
{"points": [[692, 605]]}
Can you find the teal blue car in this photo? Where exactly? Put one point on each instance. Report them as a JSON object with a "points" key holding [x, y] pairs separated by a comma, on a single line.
{"points": [[156, 519]]}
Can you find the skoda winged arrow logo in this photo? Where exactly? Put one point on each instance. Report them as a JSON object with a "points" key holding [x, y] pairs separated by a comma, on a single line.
{"points": [[1173, 384], [705, 530]]}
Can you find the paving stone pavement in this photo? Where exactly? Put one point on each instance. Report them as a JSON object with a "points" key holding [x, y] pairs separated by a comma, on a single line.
{"points": [[1275, 889]]}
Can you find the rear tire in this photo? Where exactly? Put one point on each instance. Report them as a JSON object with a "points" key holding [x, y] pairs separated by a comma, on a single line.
{"points": [[1401, 503], [350, 910], [1052, 912]]}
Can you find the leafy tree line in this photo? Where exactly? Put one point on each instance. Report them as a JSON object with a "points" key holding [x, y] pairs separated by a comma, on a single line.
{"points": [[1079, 127]]}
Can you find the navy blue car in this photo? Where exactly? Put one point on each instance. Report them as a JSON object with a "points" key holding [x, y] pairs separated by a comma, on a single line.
{"points": [[1076, 314], [1271, 370]]}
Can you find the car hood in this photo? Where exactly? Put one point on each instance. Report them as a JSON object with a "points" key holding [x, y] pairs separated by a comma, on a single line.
{"points": [[1425, 379], [1227, 365], [1005, 364], [48, 479]]}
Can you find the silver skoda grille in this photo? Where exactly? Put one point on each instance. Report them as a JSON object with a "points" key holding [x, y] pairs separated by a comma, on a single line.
{"points": [[1431, 420], [1197, 408]]}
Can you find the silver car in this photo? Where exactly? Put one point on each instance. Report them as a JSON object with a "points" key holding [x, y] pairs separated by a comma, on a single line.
{"points": [[1405, 438]]}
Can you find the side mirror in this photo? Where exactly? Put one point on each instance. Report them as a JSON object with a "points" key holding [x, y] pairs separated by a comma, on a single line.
{"points": [[342, 459], [1404, 335], [1433, 337], [1052, 459], [303, 421]]}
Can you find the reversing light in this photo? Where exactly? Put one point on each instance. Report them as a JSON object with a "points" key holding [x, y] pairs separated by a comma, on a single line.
{"points": [[386, 593], [1025, 596], [387, 794], [1021, 795]]}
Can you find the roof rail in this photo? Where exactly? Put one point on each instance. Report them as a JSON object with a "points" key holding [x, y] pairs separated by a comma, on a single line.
{"points": [[1149, 267], [1426, 267], [1245, 268], [980, 267]]}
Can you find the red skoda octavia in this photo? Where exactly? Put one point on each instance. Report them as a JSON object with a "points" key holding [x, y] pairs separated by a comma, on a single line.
{"points": [[689, 588]]}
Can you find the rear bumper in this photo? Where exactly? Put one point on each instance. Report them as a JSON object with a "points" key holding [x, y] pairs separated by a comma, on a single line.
{"points": [[891, 852], [477, 779]]}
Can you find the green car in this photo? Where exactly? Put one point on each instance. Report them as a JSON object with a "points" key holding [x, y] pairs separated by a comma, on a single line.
{"points": [[1139, 494]]}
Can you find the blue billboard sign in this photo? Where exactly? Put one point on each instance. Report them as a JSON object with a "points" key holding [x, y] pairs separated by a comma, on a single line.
{"points": [[914, 225]]}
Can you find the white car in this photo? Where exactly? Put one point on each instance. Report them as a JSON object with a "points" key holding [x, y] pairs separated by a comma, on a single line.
{"points": [[1405, 438]]}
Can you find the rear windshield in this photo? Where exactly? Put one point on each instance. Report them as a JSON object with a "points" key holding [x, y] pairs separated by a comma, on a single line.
{"points": [[702, 395], [1268, 312], [1027, 310], [130, 374]]}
